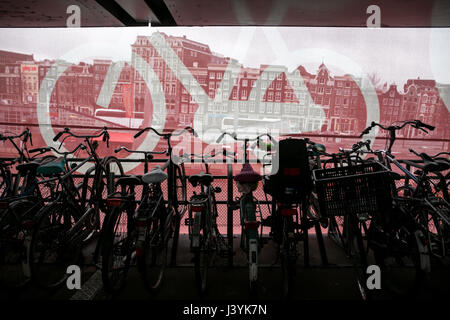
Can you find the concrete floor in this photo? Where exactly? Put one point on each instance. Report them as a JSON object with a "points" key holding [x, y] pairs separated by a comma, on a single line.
{"points": [[336, 281]]}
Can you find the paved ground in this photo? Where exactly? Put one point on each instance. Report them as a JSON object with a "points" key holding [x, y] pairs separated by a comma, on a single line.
{"points": [[337, 281]]}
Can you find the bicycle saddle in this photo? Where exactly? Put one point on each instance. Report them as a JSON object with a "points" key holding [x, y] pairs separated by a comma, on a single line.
{"points": [[156, 175], [33, 165], [129, 181], [202, 178], [53, 167], [431, 165], [29, 166]]}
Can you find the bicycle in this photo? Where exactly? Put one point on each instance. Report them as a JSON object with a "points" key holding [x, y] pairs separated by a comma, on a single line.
{"points": [[247, 182], [399, 233], [146, 229], [68, 222], [294, 211], [206, 242], [9, 185]]}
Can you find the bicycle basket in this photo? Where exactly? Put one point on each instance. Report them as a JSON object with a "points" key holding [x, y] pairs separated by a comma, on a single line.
{"points": [[364, 188]]}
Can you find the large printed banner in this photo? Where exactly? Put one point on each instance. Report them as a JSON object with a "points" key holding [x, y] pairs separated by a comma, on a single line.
{"points": [[324, 83]]}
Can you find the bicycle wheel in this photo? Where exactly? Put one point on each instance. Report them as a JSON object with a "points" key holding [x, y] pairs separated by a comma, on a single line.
{"points": [[400, 263], [50, 250], [338, 231], [202, 252], [14, 244], [288, 256], [181, 192], [434, 228], [113, 171], [152, 261], [117, 249]]}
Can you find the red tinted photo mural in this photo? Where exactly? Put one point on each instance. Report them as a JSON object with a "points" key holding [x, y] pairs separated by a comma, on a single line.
{"points": [[327, 84]]}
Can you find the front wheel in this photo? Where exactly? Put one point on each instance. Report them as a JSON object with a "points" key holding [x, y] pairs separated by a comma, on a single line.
{"points": [[152, 250], [117, 249], [50, 252], [404, 263]]}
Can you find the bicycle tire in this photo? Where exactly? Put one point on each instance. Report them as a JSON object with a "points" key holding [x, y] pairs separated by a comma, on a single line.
{"points": [[391, 266], [14, 246], [180, 189], [201, 255], [152, 262], [288, 258], [53, 222], [120, 227]]}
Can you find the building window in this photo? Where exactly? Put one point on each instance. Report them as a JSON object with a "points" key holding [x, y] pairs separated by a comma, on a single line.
{"points": [[244, 83], [278, 96], [252, 106], [212, 75]]}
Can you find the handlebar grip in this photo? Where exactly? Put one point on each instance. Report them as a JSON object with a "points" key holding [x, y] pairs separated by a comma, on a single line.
{"points": [[429, 127], [220, 137], [42, 150], [192, 130], [139, 133], [117, 149], [58, 135]]}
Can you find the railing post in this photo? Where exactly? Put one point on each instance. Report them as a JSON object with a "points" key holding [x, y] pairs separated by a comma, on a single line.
{"points": [[230, 213]]}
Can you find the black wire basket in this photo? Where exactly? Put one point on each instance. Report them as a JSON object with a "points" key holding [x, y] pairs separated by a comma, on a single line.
{"points": [[359, 189]]}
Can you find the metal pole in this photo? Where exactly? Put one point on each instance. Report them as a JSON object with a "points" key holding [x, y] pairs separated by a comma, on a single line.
{"points": [[230, 213]]}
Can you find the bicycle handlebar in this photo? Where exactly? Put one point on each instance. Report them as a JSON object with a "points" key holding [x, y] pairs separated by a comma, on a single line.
{"points": [[415, 123], [138, 151], [166, 135], [47, 149], [234, 136], [26, 133], [66, 130]]}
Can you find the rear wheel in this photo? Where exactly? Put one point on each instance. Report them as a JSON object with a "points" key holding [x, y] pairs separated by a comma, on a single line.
{"points": [[288, 257], [202, 253], [117, 250], [152, 261]]}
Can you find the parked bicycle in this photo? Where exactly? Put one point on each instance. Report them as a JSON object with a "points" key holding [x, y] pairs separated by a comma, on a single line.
{"points": [[249, 208], [148, 228], [206, 242], [65, 224]]}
